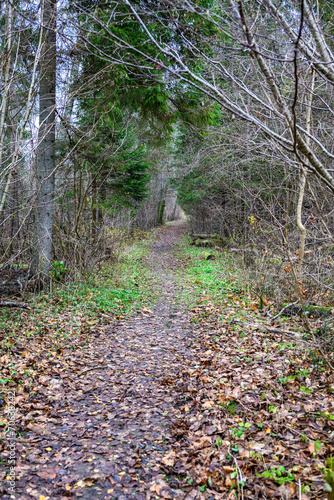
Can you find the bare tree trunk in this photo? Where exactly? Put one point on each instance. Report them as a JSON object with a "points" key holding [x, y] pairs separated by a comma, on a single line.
{"points": [[6, 93], [300, 224], [44, 211]]}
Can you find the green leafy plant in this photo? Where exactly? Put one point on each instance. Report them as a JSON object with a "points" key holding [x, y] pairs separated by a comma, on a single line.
{"points": [[278, 474], [306, 390], [256, 456], [285, 380], [231, 407], [329, 478], [59, 271], [238, 432], [273, 408], [303, 373], [317, 446], [305, 489]]}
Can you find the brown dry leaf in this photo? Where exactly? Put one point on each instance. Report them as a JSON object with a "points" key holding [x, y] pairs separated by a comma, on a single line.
{"points": [[287, 491], [44, 430], [192, 495], [208, 404], [48, 473], [44, 380], [310, 447], [204, 442], [85, 483], [228, 469], [236, 393], [169, 459], [146, 310], [162, 490], [229, 483]]}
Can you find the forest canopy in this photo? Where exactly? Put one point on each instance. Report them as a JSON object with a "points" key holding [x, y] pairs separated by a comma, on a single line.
{"points": [[108, 105]]}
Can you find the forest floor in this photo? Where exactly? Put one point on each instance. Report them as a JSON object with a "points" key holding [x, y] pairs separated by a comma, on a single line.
{"points": [[194, 397]]}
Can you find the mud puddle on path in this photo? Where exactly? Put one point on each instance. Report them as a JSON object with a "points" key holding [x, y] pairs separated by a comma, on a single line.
{"points": [[110, 429]]}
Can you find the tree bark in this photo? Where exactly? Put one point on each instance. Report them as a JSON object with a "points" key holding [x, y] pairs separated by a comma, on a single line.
{"points": [[6, 94], [300, 224], [44, 211], [21, 305]]}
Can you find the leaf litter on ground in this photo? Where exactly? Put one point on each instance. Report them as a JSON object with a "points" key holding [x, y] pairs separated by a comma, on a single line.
{"points": [[172, 403]]}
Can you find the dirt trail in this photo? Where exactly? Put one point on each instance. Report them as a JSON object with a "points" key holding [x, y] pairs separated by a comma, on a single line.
{"points": [[168, 404], [114, 426]]}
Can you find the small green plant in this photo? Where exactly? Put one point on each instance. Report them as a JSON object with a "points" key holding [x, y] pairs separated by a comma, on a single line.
{"points": [[329, 478], [278, 474], [285, 380], [303, 373], [256, 456], [59, 271], [273, 408], [317, 446], [306, 390], [305, 489], [231, 407], [238, 432]]}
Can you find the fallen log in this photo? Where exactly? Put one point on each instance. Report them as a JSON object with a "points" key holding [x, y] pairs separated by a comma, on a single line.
{"points": [[196, 236], [21, 305], [208, 256], [204, 243], [296, 309], [209, 240]]}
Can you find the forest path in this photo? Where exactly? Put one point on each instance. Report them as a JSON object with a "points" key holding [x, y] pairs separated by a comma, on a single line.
{"points": [[112, 427], [199, 405]]}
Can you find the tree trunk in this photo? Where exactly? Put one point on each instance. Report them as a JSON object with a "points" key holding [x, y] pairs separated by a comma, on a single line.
{"points": [[7, 55], [300, 224], [44, 211]]}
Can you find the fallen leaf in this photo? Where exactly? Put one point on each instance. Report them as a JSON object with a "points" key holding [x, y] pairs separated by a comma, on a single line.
{"points": [[169, 459], [204, 442], [48, 473]]}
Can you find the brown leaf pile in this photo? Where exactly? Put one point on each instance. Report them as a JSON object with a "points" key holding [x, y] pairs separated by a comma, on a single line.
{"points": [[155, 407], [254, 403]]}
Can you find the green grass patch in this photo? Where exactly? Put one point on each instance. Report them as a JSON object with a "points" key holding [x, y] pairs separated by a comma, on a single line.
{"points": [[217, 280], [114, 291]]}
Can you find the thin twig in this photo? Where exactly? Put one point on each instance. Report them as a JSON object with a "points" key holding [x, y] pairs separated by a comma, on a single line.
{"points": [[89, 369], [282, 310], [248, 409]]}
